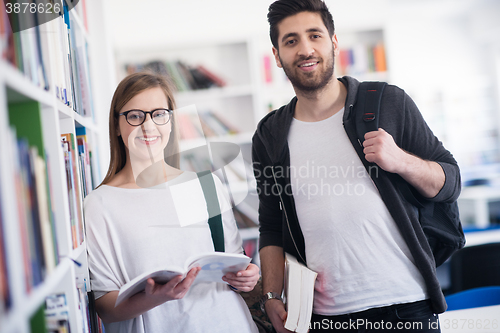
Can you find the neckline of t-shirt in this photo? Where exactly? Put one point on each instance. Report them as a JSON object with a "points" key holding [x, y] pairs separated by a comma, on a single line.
{"points": [[337, 114], [161, 186]]}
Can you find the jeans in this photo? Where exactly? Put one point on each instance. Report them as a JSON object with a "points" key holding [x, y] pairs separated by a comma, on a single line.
{"points": [[414, 317]]}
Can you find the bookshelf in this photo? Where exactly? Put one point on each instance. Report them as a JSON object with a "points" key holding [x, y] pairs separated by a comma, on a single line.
{"points": [[45, 92], [252, 85], [362, 55]]}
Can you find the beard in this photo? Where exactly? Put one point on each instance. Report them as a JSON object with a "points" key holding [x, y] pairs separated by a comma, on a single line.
{"points": [[312, 81]]}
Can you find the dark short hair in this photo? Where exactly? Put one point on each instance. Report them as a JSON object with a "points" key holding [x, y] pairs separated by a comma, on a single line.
{"points": [[281, 9]]}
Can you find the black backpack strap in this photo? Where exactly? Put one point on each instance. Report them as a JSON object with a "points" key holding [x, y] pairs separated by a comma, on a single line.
{"points": [[214, 214], [368, 107]]}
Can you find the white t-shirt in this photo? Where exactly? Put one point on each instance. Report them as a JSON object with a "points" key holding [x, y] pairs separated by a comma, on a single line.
{"points": [[130, 231], [351, 239]]}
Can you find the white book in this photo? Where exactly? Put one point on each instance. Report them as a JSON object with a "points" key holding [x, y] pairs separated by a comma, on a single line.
{"points": [[214, 266], [299, 294]]}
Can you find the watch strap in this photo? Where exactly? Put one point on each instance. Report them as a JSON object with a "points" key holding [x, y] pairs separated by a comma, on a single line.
{"points": [[266, 297]]}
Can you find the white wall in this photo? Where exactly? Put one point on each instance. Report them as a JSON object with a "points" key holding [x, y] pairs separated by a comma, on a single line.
{"points": [[443, 52]]}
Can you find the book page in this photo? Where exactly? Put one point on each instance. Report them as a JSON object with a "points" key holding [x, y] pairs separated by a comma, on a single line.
{"points": [[293, 293], [215, 265], [307, 298], [138, 284], [299, 289]]}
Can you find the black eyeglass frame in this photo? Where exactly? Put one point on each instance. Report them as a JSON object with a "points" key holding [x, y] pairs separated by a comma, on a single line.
{"points": [[170, 112]]}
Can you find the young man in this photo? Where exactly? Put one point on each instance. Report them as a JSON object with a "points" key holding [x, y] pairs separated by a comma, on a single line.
{"points": [[318, 201]]}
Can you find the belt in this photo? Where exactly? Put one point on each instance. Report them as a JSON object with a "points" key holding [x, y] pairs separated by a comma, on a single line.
{"points": [[372, 312]]}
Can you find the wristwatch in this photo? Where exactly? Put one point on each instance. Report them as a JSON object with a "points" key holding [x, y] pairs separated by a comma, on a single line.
{"points": [[267, 297]]}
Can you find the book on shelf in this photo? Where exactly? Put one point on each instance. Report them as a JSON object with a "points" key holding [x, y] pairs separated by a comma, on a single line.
{"points": [[37, 320], [85, 148], [83, 13], [243, 220], [245, 208], [216, 79], [22, 209], [44, 215], [192, 79], [57, 46], [196, 163], [5, 31], [268, 74], [83, 314], [5, 299], [184, 76], [75, 190], [23, 49], [379, 58], [57, 313], [30, 207], [85, 156], [214, 266], [299, 294], [33, 188], [215, 125], [95, 322], [207, 130], [187, 127], [361, 59]]}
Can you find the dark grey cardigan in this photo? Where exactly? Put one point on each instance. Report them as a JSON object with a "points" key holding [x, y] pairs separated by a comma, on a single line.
{"points": [[400, 117]]}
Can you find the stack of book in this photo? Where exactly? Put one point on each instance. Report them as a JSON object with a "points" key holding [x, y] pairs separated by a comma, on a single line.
{"points": [[5, 299], [299, 294], [74, 184], [85, 160], [57, 313], [54, 45], [183, 76], [36, 218], [206, 124], [361, 59], [32, 193]]}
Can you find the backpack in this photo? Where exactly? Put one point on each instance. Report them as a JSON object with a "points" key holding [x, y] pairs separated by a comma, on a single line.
{"points": [[440, 221]]}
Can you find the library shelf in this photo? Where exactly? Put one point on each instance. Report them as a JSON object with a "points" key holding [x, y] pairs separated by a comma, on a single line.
{"points": [[43, 180]]}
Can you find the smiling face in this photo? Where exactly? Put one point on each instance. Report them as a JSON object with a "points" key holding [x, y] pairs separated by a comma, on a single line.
{"points": [[145, 143], [306, 51]]}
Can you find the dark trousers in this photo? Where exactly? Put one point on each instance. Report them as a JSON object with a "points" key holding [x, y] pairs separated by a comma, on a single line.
{"points": [[414, 317]]}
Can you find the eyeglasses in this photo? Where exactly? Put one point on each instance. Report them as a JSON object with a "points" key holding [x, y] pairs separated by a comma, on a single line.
{"points": [[138, 117]]}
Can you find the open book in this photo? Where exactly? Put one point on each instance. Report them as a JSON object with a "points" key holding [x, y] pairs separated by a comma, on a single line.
{"points": [[299, 294], [214, 266]]}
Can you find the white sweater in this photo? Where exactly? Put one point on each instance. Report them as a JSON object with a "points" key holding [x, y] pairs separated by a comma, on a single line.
{"points": [[130, 231]]}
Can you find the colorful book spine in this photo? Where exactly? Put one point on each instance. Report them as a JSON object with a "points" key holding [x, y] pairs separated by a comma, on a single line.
{"points": [[75, 192], [5, 298], [183, 76]]}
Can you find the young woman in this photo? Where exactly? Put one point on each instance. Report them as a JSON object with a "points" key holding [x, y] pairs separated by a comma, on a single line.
{"points": [[136, 222]]}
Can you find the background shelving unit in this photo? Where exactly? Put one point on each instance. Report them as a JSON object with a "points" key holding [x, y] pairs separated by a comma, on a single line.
{"points": [[238, 103], [362, 55], [254, 86], [27, 106]]}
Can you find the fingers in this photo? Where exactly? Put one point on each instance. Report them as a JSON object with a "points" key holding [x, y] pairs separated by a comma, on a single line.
{"points": [[371, 134], [250, 272], [176, 288], [277, 314], [371, 137], [243, 280], [183, 286], [242, 286]]}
